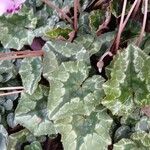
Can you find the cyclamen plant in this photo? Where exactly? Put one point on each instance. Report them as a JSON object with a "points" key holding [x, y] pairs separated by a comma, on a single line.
{"points": [[10, 6], [74, 74]]}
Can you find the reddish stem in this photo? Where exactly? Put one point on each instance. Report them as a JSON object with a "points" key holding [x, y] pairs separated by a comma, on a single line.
{"points": [[11, 93], [104, 24], [121, 24], [144, 24], [129, 14], [20, 54], [76, 7], [136, 8]]}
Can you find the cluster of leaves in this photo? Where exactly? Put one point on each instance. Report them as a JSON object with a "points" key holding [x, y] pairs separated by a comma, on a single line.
{"points": [[64, 93]]}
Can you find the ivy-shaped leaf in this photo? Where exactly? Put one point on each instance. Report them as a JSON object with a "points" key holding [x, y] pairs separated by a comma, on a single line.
{"points": [[7, 71], [96, 18], [31, 112], [95, 44], [139, 141], [146, 44], [50, 63], [143, 124], [63, 3], [116, 7], [66, 51], [17, 138], [129, 85], [17, 30], [57, 32], [122, 132], [81, 132], [3, 138], [72, 91], [30, 71], [34, 146]]}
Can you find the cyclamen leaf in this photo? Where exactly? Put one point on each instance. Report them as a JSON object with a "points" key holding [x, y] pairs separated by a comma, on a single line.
{"points": [[129, 85], [146, 44], [17, 30], [34, 146], [60, 3], [7, 71], [18, 137], [72, 91], [143, 124], [56, 32], [95, 44], [31, 112], [122, 132], [30, 71], [3, 138], [81, 132], [50, 63], [96, 18], [139, 141], [115, 7], [65, 51]]}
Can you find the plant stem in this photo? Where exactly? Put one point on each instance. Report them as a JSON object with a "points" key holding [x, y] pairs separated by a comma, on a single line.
{"points": [[50, 4], [76, 8], [12, 88], [104, 24], [144, 24], [20, 54], [136, 8], [121, 24], [11, 93], [129, 14]]}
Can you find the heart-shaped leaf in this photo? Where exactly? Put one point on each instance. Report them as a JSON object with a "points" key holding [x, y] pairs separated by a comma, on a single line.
{"points": [[30, 71], [17, 30], [31, 112], [129, 85]]}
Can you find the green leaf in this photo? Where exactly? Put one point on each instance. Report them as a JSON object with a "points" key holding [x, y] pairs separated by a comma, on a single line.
{"points": [[143, 124], [17, 138], [66, 51], [7, 71], [72, 91], [84, 27], [17, 30], [3, 138], [146, 44], [34, 146], [57, 32], [31, 112], [116, 8], [123, 131], [139, 141], [82, 132], [50, 63], [63, 3], [30, 71], [129, 85], [96, 17], [95, 44], [131, 34]]}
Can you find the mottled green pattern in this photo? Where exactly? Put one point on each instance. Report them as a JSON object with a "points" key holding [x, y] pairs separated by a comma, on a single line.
{"points": [[129, 85], [17, 30], [32, 112], [30, 71]]}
